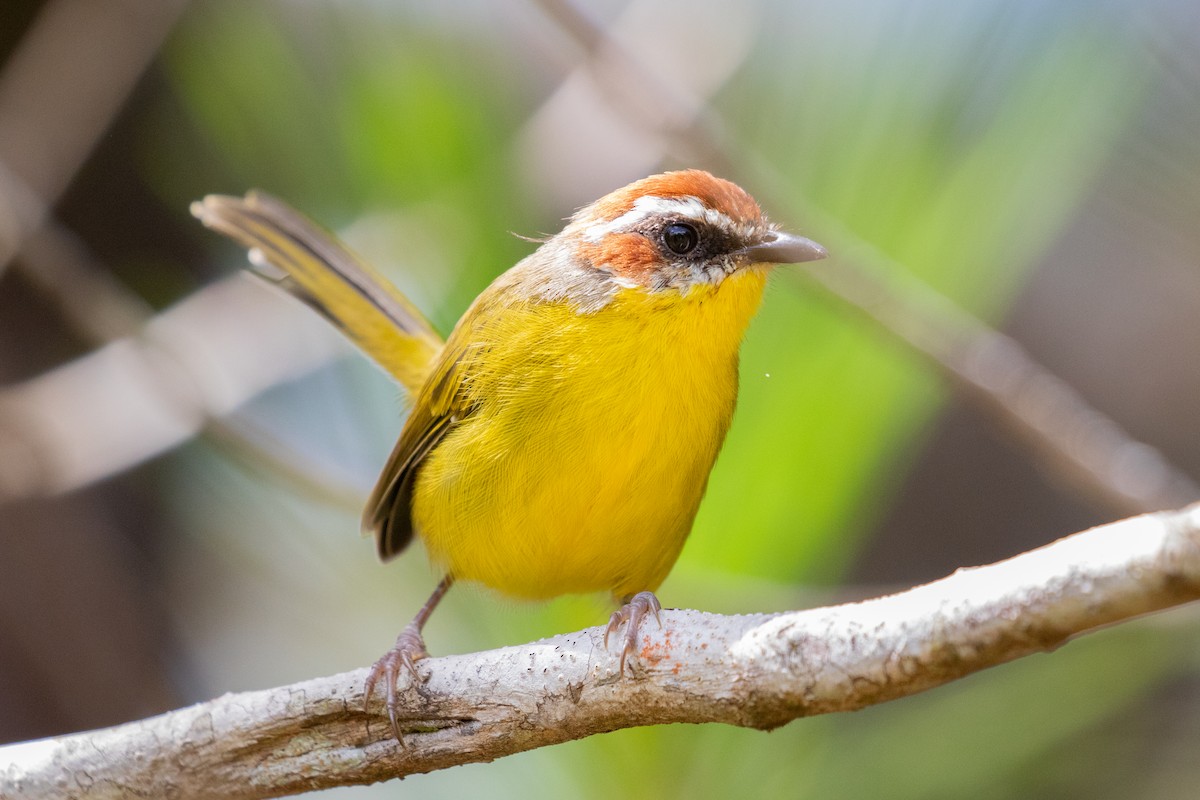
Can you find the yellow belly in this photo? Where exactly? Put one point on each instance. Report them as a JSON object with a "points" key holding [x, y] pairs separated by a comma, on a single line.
{"points": [[586, 455]]}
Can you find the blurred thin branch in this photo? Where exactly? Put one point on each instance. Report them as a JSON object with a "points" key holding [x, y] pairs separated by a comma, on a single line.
{"points": [[758, 671], [58, 264], [102, 310], [87, 56], [1076, 443], [144, 393]]}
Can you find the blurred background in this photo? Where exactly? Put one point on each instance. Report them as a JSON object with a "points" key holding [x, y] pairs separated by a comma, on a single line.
{"points": [[184, 453]]}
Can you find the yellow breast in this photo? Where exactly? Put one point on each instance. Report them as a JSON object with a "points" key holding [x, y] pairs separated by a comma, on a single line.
{"points": [[589, 441]]}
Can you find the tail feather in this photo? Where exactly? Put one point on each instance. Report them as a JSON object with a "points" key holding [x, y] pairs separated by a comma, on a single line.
{"points": [[322, 272]]}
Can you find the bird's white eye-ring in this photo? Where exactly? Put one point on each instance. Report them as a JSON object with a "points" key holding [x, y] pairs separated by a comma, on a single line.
{"points": [[680, 238]]}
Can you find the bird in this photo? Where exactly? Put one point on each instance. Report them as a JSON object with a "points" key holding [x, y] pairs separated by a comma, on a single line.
{"points": [[561, 438]]}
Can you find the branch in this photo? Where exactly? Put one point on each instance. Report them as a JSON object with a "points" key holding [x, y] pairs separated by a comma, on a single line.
{"points": [[757, 671]]}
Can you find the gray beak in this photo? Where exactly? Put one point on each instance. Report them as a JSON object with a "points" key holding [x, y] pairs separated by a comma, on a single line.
{"points": [[778, 247]]}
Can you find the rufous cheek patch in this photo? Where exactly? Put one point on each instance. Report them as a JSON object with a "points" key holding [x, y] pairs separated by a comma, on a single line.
{"points": [[629, 256]]}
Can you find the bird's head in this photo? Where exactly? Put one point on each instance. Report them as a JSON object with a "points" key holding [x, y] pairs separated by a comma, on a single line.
{"points": [[677, 230]]}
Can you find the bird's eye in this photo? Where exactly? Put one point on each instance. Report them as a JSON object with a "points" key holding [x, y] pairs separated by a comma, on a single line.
{"points": [[680, 238]]}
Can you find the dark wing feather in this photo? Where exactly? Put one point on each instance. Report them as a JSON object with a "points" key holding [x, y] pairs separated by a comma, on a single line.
{"points": [[438, 408], [389, 511]]}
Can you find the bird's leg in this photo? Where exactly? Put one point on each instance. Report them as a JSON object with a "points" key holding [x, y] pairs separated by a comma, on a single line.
{"points": [[632, 613], [408, 649]]}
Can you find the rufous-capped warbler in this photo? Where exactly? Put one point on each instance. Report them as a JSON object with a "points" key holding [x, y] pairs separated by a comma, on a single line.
{"points": [[561, 439]]}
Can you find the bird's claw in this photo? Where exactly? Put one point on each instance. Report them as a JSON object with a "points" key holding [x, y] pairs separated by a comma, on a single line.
{"points": [[409, 649], [631, 615]]}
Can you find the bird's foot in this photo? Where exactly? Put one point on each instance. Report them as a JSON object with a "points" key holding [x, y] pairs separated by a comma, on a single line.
{"points": [[632, 614], [409, 649]]}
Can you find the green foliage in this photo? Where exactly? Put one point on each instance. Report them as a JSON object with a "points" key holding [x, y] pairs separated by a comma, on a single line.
{"points": [[964, 191]]}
